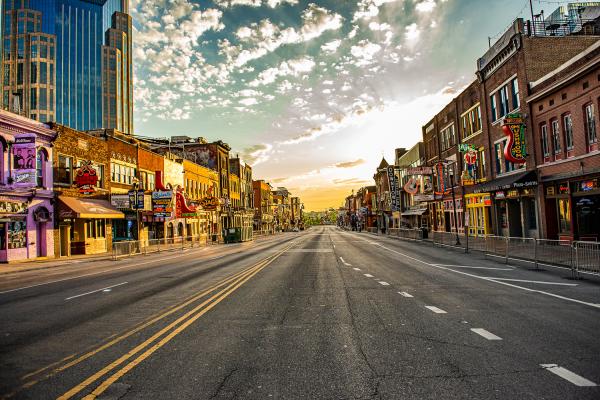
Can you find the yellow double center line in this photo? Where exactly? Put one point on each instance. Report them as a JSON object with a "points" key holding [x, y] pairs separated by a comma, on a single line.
{"points": [[174, 328]]}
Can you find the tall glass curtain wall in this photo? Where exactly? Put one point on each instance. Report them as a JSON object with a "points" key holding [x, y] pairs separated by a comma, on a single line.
{"points": [[80, 28]]}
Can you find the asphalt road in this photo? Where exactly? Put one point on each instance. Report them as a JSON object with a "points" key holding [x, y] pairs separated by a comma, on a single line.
{"points": [[323, 314]]}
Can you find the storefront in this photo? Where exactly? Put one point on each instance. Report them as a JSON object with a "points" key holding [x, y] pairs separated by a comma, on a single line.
{"points": [[479, 213], [453, 219], [85, 225], [572, 209], [514, 208], [26, 180]]}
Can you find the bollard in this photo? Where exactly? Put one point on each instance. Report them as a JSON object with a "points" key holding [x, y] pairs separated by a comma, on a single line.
{"points": [[535, 254], [506, 250]]}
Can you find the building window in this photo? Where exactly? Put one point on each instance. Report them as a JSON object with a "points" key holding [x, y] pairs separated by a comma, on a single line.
{"points": [[556, 137], [590, 124], [544, 134], [564, 216], [448, 137], [515, 94], [39, 166], [503, 165], [65, 170], [568, 127], [494, 107], [471, 122], [95, 228], [504, 100]]}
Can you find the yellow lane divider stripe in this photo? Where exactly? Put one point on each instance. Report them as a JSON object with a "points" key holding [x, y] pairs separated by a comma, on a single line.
{"points": [[117, 375], [138, 348]]}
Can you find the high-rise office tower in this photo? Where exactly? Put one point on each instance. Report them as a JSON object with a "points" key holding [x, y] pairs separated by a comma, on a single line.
{"points": [[69, 61]]}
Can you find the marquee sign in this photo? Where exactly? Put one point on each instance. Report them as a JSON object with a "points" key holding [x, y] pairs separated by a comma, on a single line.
{"points": [[162, 206], [209, 203], [515, 149], [419, 171], [24, 160], [86, 178]]}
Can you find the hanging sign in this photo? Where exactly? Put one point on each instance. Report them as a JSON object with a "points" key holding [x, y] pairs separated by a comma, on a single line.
{"points": [[394, 192], [419, 171], [465, 147], [86, 178], [515, 150], [209, 203], [440, 176]]}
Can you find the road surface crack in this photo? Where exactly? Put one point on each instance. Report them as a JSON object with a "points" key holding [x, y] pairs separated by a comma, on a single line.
{"points": [[223, 383]]}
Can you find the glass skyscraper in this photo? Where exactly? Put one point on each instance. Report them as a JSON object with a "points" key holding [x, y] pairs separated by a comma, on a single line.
{"points": [[62, 61]]}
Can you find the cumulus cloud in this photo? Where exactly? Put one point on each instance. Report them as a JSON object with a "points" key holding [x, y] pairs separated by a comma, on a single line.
{"points": [[253, 3], [257, 154], [286, 68], [425, 6], [331, 47]]}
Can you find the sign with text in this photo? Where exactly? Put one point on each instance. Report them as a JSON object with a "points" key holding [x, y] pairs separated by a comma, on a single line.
{"points": [[419, 171], [24, 160], [162, 203], [86, 178], [120, 201], [515, 150], [394, 190]]}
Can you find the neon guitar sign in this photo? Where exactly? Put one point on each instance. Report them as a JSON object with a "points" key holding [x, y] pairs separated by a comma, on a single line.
{"points": [[515, 149]]}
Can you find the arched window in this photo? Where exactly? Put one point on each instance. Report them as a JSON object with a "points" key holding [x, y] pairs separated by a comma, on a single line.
{"points": [[40, 166]]}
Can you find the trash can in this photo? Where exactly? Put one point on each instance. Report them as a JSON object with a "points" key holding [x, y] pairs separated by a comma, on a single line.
{"points": [[424, 233]]}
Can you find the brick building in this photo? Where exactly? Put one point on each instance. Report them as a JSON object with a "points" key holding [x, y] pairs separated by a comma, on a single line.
{"points": [[84, 215], [263, 199], [564, 110], [504, 73]]}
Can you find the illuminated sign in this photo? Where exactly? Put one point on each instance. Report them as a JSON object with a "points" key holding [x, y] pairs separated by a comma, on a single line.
{"points": [[24, 160], [419, 171], [162, 204], [515, 150], [209, 203], [86, 178], [465, 147], [412, 186]]}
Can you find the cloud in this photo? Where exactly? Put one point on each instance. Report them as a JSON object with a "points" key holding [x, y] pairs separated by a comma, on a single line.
{"points": [[352, 181], [331, 47], [257, 154], [253, 3], [425, 6], [367, 9], [350, 164], [364, 52], [294, 68]]}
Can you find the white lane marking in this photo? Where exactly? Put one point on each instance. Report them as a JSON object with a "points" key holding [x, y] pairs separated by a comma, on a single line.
{"points": [[356, 269], [368, 275], [485, 278], [568, 375], [436, 310], [104, 289], [486, 334], [405, 294], [384, 283], [540, 282], [344, 262], [472, 267]]}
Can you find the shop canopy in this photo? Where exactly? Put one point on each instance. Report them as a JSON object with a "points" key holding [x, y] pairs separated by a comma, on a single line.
{"points": [[519, 180], [417, 211], [75, 207]]}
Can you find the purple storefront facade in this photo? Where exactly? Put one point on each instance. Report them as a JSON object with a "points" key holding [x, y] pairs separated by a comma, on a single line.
{"points": [[26, 194]]}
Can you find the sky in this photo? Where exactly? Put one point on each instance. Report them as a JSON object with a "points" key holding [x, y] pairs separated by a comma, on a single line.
{"points": [[312, 94]]}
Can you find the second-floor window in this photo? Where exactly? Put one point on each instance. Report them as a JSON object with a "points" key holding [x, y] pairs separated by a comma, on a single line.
{"points": [[556, 137], [39, 166], [471, 122], [448, 137], [590, 124], [544, 138], [120, 173], [64, 171], [502, 165], [505, 100], [568, 128]]}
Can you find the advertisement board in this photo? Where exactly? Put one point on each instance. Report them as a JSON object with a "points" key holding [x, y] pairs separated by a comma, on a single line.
{"points": [[24, 160], [120, 201], [515, 150], [162, 203], [86, 178]]}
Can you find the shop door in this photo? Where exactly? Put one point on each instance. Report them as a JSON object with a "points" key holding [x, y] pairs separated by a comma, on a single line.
{"points": [[65, 240], [514, 218], [41, 239]]}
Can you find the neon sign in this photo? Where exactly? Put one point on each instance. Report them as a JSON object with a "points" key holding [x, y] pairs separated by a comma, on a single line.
{"points": [[515, 149]]}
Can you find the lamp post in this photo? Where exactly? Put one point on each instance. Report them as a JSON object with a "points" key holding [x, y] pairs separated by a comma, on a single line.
{"points": [[454, 206]]}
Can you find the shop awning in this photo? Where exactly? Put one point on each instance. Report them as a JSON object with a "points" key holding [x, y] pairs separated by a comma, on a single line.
{"points": [[520, 180], [88, 208], [417, 211]]}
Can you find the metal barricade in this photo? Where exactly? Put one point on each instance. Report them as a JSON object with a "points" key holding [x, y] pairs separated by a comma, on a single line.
{"points": [[520, 248], [553, 252], [587, 257]]}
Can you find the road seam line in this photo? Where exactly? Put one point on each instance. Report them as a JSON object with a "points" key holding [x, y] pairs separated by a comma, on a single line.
{"points": [[486, 334], [436, 310], [96, 291], [404, 294]]}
